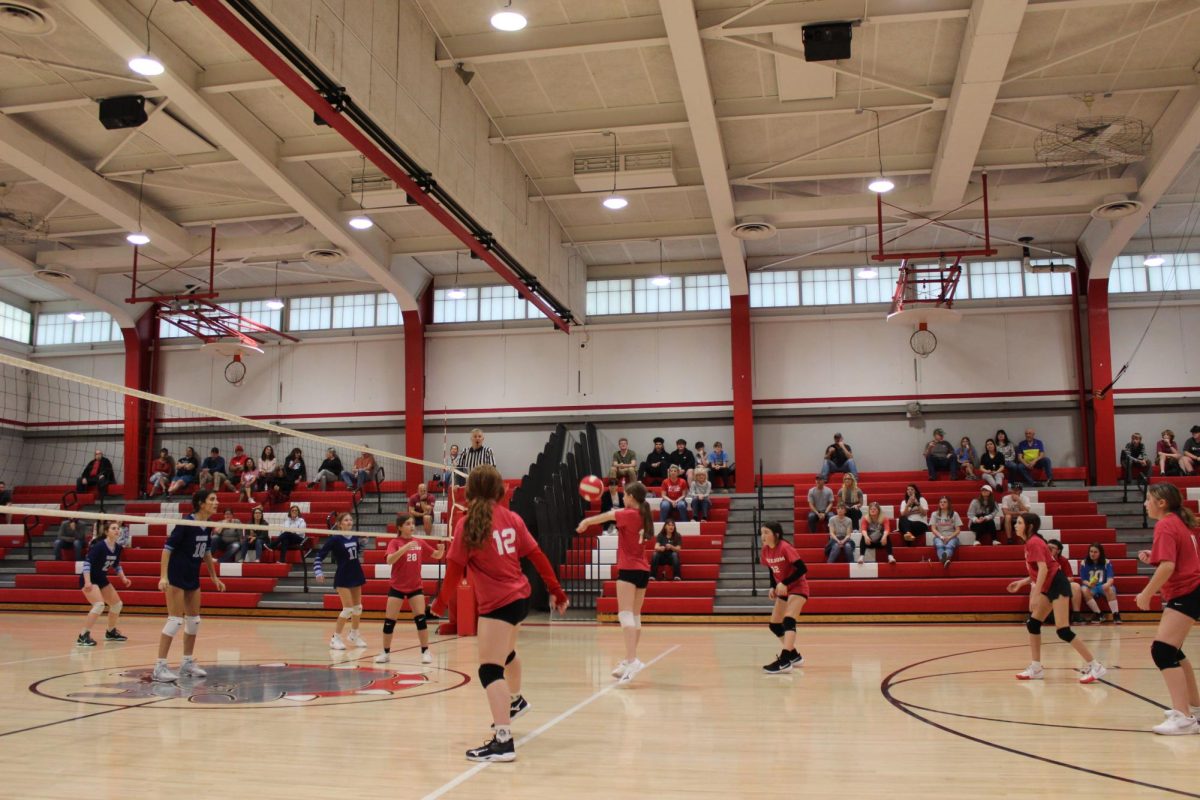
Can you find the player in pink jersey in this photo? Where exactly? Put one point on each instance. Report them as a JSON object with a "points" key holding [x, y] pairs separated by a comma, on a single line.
{"points": [[406, 554], [789, 590], [635, 527], [1177, 576], [1050, 590], [492, 540]]}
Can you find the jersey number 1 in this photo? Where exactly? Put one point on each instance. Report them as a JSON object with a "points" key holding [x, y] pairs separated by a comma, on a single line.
{"points": [[505, 541]]}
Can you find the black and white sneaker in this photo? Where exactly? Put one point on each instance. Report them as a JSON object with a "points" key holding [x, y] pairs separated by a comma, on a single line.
{"points": [[797, 659], [779, 666], [115, 636], [518, 707], [495, 750], [85, 640]]}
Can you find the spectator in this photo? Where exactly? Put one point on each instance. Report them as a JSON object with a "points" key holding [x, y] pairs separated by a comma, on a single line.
{"points": [[279, 485], [624, 463], [451, 460], [991, 465], [185, 472], [230, 542], [161, 470], [984, 517], [296, 469], [614, 499], [1135, 461], [720, 466], [258, 539], [266, 466], [673, 489], [939, 455], [1015, 469], [249, 480], [294, 536], [420, 507], [700, 490], [5, 499], [839, 457], [363, 471], [820, 500], [476, 455], [839, 544], [330, 470], [851, 497], [966, 457], [655, 465], [1191, 452], [237, 465], [1012, 506], [701, 455], [1097, 580], [1166, 452], [876, 534], [1033, 456], [682, 458], [913, 517], [73, 535], [212, 471], [667, 547], [97, 475], [946, 525]]}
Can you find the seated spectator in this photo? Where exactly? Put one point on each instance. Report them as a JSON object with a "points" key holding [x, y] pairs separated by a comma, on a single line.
{"points": [[984, 518], [97, 476], [330, 470], [185, 472], [1015, 469], [939, 455], [876, 534], [667, 547], [699, 490], [451, 460], [266, 466], [420, 507], [294, 537], [279, 486], [624, 463], [237, 465], [257, 539], [966, 457], [614, 498], [674, 490], [913, 517], [655, 465], [1189, 460], [701, 455], [1097, 580], [1056, 550], [820, 500], [161, 470], [295, 468], [212, 471], [72, 534], [6, 499], [851, 497], [362, 473], [1033, 456], [683, 458], [1012, 506], [1166, 452], [839, 457], [839, 544], [249, 480], [229, 543], [991, 466], [946, 525], [720, 466], [1135, 461]]}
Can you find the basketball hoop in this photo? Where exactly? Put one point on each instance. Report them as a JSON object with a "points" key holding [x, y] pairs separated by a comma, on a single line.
{"points": [[235, 370]]}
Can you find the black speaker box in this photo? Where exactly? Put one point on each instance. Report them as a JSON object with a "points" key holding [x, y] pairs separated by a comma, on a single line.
{"points": [[827, 41], [126, 111]]}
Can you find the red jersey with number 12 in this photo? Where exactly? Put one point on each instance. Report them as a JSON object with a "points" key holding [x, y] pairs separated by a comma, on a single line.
{"points": [[1175, 542], [779, 559], [406, 572], [496, 566]]}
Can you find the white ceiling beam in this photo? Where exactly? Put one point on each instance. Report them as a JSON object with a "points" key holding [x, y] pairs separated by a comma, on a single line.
{"points": [[987, 45], [316, 148], [687, 51], [1176, 139], [10, 260], [84, 225], [551, 40], [237, 76], [289, 246]]}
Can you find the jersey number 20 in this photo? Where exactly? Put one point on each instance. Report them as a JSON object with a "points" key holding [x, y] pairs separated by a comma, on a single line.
{"points": [[505, 541]]}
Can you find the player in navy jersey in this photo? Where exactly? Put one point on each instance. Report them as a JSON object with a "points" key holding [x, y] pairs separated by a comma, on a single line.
{"points": [[179, 579], [102, 556], [348, 580]]}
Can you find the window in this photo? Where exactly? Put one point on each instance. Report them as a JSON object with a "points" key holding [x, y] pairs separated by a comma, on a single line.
{"points": [[354, 311], [446, 309], [1128, 275], [15, 323], [257, 311], [387, 310], [825, 287], [609, 297], [651, 299], [95, 328], [503, 302], [706, 292], [1045, 284], [310, 313], [994, 279], [774, 289], [1179, 273], [879, 289], [167, 330]]}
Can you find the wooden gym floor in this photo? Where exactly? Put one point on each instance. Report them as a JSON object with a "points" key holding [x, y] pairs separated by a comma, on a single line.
{"points": [[890, 711]]}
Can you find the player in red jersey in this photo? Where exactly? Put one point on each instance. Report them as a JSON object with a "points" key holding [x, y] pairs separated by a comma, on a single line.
{"points": [[1050, 590], [1178, 577], [492, 540], [789, 590], [406, 555], [635, 527]]}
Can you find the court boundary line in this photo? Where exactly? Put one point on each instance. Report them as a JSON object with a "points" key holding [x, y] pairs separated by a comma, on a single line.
{"points": [[466, 775]]}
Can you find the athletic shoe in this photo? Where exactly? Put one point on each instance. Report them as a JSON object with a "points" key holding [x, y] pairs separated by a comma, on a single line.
{"points": [[1096, 619], [631, 669], [779, 666], [678, 578], [1094, 673], [494, 750], [1177, 725], [355, 638], [85, 640], [1117, 618], [115, 636], [383, 658], [336, 643], [860, 559], [995, 542], [162, 674], [1194, 709], [619, 669], [427, 657], [190, 669], [1033, 672], [891, 559], [518, 707], [797, 659]]}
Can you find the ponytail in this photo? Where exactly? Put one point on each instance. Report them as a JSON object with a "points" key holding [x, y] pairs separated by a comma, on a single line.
{"points": [[485, 488], [637, 491]]}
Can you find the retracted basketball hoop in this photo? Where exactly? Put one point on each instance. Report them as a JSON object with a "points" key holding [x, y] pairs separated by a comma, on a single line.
{"points": [[235, 370]]}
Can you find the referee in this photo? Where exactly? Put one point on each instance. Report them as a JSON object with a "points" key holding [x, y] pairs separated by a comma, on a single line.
{"points": [[474, 456]]}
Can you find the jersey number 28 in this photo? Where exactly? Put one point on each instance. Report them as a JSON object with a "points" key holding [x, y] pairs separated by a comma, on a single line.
{"points": [[505, 541]]}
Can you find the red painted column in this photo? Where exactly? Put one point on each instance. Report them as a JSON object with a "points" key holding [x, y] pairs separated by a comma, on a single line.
{"points": [[743, 391], [414, 397], [138, 343], [1104, 421]]}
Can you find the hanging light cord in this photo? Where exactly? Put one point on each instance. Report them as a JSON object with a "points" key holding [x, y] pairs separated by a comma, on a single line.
{"points": [[153, 6], [362, 183], [141, 188], [615, 162], [878, 140]]}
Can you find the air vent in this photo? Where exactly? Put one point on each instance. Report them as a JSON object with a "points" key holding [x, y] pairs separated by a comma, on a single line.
{"points": [[53, 276], [324, 256], [1116, 206], [379, 191], [25, 18], [754, 229], [645, 170]]}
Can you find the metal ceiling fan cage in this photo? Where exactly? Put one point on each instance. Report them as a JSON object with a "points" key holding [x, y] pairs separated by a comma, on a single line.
{"points": [[1104, 140]]}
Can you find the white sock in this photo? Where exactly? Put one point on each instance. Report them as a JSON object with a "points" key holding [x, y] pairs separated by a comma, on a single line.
{"points": [[1091, 602], [162, 662], [503, 733], [1113, 605]]}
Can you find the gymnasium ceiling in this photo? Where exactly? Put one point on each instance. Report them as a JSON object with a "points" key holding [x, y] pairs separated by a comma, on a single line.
{"points": [[954, 86]]}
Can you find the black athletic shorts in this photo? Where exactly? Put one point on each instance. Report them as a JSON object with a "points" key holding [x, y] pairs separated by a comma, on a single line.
{"points": [[404, 595], [640, 578], [514, 613], [1187, 604], [1060, 586]]}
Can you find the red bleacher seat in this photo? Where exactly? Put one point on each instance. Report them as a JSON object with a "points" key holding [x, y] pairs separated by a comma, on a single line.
{"points": [[212, 599]]}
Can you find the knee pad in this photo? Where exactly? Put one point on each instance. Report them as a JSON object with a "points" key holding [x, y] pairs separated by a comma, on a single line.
{"points": [[98, 607], [172, 627], [346, 613], [490, 673], [789, 624], [511, 658], [1066, 634], [637, 620], [1034, 626], [776, 628], [356, 610], [389, 625], [191, 625], [421, 621], [626, 619], [115, 608], [1165, 656]]}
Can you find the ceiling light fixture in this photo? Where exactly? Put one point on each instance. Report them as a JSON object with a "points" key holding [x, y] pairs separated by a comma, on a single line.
{"points": [[76, 316], [360, 221], [138, 237], [509, 20], [456, 292], [880, 184], [146, 64], [868, 272], [614, 201], [661, 280], [1154, 259], [275, 303]]}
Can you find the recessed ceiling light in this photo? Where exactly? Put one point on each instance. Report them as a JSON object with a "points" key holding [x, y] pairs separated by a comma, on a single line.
{"points": [[361, 222], [661, 281], [508, 19], [880, 185], [274, 304], [615, 202], [137, 238], [146, 65], [457, 293]]}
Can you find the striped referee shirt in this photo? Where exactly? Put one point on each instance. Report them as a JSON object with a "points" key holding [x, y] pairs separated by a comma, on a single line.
{"points": [[473, 457]]}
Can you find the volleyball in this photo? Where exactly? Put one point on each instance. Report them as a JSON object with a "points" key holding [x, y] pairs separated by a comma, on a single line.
{"points": [[591, 487]]}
